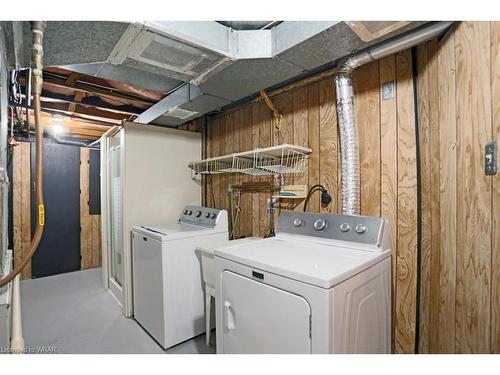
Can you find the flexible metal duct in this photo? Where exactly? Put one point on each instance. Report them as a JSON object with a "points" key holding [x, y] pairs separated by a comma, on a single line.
{"points": [[346, 105]]}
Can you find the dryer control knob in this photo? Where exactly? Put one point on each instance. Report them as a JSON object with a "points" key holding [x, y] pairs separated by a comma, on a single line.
{"points": [[319, 224], [185, 212], [207, 215], [189, 212], [297, 222], [344, 227], [198, 213], [360, 228], [213, 216]]}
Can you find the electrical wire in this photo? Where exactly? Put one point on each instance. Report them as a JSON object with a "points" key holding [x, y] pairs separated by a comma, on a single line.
{"points": [[312, 190]]}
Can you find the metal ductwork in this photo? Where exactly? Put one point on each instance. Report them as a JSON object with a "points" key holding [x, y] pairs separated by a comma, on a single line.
{"points": [[346, 105], [203, 66]]}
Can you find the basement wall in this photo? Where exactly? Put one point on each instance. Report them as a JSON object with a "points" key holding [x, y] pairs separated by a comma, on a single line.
{"points": [[459, 111]]}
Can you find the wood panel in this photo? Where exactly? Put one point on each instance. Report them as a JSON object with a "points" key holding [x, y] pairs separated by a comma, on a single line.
{"points": [[434, 207], [21, 202], [366, 86], [86, 255], [448, 194], [458, 111], [425, 196], [389, 161], [300, 131], [495, 248], [472, 44], [90, 225], [314, 145], [255, 144], [328, 144], [265, 129], [407, 208], [246, 143]]}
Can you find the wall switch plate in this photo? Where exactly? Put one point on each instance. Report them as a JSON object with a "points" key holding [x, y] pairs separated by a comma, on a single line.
{"points": [[388, 90], [490, 159]]}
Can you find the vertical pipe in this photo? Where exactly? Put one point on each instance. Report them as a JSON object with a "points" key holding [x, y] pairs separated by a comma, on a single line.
{"points": [[37, 28], [17, 341]]}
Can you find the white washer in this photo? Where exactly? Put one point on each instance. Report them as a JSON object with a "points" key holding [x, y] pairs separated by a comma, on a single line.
{"points": [[322, 285], [168, 287]]}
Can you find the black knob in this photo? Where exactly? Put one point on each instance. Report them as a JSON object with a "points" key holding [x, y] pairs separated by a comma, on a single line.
{"points": [[198, 213], [189, 212], [185, 212], [213, 216], [207, 215]]}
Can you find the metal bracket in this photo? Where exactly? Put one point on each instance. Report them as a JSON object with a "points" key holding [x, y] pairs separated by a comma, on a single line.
{"points": [[490, 159]]}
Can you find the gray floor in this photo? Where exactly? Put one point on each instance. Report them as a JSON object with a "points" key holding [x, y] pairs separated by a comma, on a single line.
{"points": [[73, 314]]}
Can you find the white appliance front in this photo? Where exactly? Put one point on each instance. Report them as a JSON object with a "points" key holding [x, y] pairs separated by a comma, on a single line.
{"points": [[261, 301], [168, 288], [253, 320]]}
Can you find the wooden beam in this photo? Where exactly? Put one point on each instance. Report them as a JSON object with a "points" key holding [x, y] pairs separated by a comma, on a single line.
{"points": [[90, 111], [120, 86], [74, 128], [97, 90], [78, 98]]}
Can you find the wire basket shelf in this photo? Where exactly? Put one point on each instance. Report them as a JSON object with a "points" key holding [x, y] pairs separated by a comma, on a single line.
{"points": [[282, 159]]}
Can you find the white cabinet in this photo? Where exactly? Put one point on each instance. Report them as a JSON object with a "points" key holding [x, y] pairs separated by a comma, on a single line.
{"points": [[144, 181]]}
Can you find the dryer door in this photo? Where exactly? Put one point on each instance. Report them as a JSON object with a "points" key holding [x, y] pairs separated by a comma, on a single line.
{"points": [[258, 318]]}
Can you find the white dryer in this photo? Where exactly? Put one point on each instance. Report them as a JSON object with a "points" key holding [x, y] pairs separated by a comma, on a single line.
{"points": [[168, 287], [322, 285]]}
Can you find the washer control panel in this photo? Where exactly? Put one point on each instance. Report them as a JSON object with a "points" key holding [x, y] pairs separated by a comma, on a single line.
{"points": [[361, 229], [200, 215]]}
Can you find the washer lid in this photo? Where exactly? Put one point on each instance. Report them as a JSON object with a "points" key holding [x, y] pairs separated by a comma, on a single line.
{"points": [[175, 231], [320, 264]]}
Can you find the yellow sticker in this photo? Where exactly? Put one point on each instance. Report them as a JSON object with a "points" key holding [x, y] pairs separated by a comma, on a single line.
{"points": [[41, 214]]}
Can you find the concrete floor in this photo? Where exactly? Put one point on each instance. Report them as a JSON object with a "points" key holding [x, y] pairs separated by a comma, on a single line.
{"points": [[72, 313]]}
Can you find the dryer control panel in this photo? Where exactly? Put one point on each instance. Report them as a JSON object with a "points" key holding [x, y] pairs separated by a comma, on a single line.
{"points": [[205, 216], [360, 229]]}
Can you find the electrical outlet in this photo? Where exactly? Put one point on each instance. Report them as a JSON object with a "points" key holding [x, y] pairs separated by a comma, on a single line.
{"points": [[490, 159]]}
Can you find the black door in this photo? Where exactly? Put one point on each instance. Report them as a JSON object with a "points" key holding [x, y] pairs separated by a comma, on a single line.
{"points": [[59, 250]]}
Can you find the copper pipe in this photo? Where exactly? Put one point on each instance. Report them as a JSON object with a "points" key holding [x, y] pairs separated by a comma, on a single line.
{"points": [[37, 28]]}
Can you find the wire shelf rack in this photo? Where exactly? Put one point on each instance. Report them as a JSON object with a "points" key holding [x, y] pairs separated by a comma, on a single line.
{"points": [[282, 159]]}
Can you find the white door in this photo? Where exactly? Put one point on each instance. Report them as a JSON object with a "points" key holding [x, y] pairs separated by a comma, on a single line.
{"points": [[115, 230], [258, 318]]}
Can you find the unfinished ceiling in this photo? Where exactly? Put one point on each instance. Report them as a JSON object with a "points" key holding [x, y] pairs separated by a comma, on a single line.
{"points": [[223, 62]]}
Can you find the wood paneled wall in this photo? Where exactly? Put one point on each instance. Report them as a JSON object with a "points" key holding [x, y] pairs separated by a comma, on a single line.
{"points": [[387, 154], [458, 109], [21, 204], [90, 234], [90, 225]]}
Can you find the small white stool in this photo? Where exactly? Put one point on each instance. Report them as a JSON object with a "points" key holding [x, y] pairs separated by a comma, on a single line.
{"points": [[207, 267], [208, 272]]}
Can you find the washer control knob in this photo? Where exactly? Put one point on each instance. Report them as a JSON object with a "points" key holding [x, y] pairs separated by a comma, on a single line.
{"points": [[207, 215], [189, 212], [185, 212], [197, 213], [297, 222], [213, 216], [360, 228], [344, 227], [319, 224]]}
